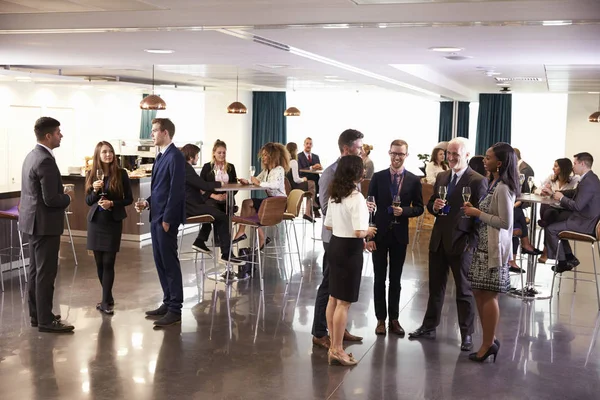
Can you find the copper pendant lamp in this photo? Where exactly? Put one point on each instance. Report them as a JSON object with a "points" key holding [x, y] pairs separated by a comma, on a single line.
{"points": [[237, 107], [292, 111], [595, 117], [153, 102]]}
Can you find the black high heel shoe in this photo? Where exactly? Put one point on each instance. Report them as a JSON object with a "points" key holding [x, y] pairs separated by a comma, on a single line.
{"points": [[532, 252], [493, 350]]}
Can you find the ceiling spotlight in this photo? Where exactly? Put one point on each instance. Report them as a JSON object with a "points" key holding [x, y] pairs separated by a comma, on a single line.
{"points": [[456, 57], [159, 51], [446, 49]]}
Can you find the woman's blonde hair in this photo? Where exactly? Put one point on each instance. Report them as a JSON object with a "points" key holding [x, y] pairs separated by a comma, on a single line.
{"points": [[218, 143], [367, 148], [292, 148], [278, 156]]}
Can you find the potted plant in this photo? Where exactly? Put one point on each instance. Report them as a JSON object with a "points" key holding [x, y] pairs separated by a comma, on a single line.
{"points": [[425, 159]]}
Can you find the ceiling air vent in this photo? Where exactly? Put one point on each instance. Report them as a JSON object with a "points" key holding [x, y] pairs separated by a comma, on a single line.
{"points": [[518, 79]]}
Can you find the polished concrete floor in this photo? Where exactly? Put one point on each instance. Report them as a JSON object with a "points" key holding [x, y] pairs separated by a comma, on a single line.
{"points": [[250, 349]]}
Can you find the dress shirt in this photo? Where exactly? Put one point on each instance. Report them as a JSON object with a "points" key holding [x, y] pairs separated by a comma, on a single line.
{"points": [[47, 148], [348, 216]]}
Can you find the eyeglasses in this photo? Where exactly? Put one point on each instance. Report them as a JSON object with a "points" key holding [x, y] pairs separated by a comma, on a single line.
{"points": [[394, 154]]}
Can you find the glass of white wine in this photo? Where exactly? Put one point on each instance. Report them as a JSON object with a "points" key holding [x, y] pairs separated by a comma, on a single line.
{"points": [[69, 189], [100, 177], [396, 202], [443, 191], [140, 205], [531, 183], [252, 171], [466, 194]]}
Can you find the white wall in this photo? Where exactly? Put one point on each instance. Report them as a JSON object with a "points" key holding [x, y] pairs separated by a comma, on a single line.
{"points": [[380, 116], [583, 135]]}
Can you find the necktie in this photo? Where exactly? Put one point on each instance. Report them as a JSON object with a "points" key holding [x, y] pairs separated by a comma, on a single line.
{"points": [[309, 158], [452, 184]]}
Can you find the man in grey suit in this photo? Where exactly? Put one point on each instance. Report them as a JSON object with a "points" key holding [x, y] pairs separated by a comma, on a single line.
{"points": [[583, 210], [452, 243], [41, 216]]}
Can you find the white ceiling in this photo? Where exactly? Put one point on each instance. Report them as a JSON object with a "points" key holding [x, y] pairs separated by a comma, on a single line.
{"points": [[375, 46]]}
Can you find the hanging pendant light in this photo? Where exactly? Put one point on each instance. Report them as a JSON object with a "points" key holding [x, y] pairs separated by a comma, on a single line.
{"points": [[595, 117], [153, 102], [237, 107], [292, 111]]}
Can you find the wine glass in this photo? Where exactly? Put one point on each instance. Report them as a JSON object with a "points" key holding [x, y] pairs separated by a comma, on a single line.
{"points": [[466, 194], [371, 199], [252, 171], [443, 191], [140, 205], [521, 179], [530, 183], [396, 203], [68, 188], [100, 177]]}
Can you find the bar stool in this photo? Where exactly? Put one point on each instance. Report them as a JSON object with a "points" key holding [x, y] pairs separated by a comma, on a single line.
{"points": [[269, 214], [12, 215], [580, 237], [293, 207], [70, 188], [190, 223]]}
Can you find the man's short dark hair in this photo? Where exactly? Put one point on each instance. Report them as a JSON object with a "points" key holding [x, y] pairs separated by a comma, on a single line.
{"points": [[165, 125], [585, 158], [190, 151], [348, 137], [44, 126]]}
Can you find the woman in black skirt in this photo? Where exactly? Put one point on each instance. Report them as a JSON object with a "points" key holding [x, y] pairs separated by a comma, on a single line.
{"points": [[348, 218], [107, 198]]}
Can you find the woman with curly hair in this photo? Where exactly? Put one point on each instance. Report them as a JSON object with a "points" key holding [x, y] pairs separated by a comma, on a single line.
{"points": [[275, 162], [348, 218]]}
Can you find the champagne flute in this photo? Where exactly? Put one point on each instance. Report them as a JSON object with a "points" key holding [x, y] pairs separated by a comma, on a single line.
{"points": [[466, 194], [68, 188], [521, 179], [141, 203], [252, 171], [100, 177], [371, 199], [396, 203], [530, 183], [443, 191]]}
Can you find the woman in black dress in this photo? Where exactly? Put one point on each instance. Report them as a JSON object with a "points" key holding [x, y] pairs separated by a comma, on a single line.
{"points": [[217, 170], [348, 217], [107, 198]]}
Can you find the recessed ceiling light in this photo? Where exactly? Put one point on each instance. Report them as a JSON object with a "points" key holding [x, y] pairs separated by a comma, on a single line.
{"points": [[492, 73], [446, 49], [334, 80], [593, 92], [159, 51], [456, 57], [503, 84], [557, 23]]}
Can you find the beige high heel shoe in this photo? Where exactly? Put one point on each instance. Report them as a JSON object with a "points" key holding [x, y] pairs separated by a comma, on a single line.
{"points": [[335, 359]]}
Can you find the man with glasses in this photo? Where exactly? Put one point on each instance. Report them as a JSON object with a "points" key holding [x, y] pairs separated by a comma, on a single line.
{"points": [[452, 243], [391, 219]]}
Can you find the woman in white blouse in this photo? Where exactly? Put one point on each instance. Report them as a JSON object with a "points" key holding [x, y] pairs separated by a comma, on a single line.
{"points": [[298, 182], [436, 165], [275, 162], [348, 217]]}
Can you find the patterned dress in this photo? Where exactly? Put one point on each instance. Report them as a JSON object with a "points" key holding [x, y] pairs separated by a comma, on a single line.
{"points": [[483, 277]]}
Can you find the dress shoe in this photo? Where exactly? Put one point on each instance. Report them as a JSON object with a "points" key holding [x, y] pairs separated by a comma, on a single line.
{"points": [[239, 239], [491, 351], [34, 321], [516, 270], [324, 341], [200, 246], [337, 359], [562, 266], [380, 329], [106, 309], [396, 328], [467, 343], [351, 338], [532, 252], [169, 319], [162, 310], [56, 327], [573, 261], [422, 333]]}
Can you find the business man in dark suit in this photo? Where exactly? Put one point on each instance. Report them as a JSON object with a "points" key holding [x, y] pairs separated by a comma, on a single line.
{"points": [[167, 212], [195, 205], [308, 160], [392, 238], [583, 211], [41, 216], [453, 241]]}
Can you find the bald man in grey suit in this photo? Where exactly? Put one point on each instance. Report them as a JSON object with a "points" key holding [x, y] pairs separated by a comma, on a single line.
{"points": [[41, 216]]}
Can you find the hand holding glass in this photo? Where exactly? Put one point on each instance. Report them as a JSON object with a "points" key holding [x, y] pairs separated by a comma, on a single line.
{"points": [[443, 191], [68, 189], [139, 207], [466, 194]]}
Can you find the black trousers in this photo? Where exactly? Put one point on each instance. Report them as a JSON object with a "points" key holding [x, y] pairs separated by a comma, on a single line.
{"points": [[105, 266], [43, 267], [319, 328], [221, 226], [164, 247], [397, 254], [315, 179], [519, 222], [439, 266]]}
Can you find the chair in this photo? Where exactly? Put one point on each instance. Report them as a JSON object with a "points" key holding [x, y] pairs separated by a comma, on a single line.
{"points": [[364, 187], [427, 192], [580, 237], [294, 205], [199, 220], [269, 214], [12, 215], [288, 186]]}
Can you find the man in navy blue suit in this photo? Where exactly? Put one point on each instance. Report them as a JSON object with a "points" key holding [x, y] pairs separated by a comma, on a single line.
{"points": [[167, 212], [392, 232], [308, 160]]}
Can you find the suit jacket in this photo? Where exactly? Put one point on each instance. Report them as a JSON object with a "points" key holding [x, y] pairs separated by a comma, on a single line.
{"points": [[585, 204], [43, 201], [194, 183], [526, 170], [304, 164], [325, 181], [457, 234], [208, 175], [117, 212], [411, 200], [167, 189]]}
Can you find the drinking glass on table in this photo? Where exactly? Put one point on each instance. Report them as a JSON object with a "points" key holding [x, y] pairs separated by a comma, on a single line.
{"points": [[443, 191], [466, 194], [139, 207]]}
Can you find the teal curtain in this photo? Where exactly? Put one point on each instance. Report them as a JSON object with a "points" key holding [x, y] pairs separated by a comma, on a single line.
{"points": [[146, 123], [494, 121], [445, 128], [268, 121]]}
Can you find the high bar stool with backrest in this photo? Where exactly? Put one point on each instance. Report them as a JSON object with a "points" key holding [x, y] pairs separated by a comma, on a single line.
{"points": [[580, 237], [199, 220], [12, 215], [294, 205], [269, 214], [67, 213]]}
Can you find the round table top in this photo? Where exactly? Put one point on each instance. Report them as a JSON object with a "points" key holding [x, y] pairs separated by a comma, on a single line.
{"points": [[311, 171], [536, 198], [230, 187]]}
